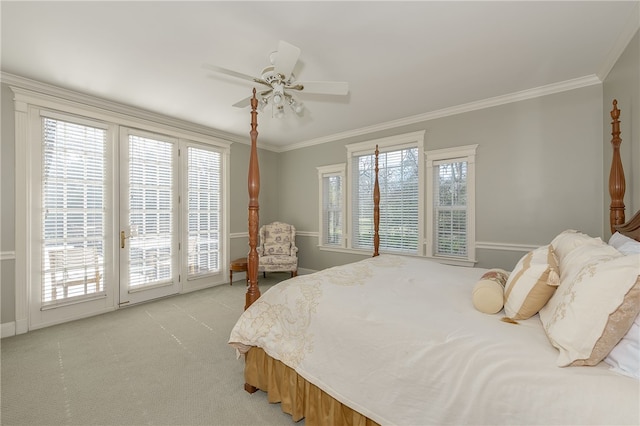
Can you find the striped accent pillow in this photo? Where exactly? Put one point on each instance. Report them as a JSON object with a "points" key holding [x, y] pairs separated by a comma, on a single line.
{"points": [[531, 283]]}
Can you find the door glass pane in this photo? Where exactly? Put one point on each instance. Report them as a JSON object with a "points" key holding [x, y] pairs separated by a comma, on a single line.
{"points": [[151, 186], [73, 215], [204, 170]]}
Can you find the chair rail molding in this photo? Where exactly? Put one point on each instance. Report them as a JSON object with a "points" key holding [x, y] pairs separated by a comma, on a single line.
{"points": [[485, 245], [7, 255]]}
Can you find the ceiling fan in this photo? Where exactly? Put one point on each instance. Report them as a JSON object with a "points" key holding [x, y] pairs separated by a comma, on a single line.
{"points": [[280, 82]]}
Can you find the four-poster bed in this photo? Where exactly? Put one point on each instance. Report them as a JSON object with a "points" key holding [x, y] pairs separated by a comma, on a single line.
{"points": [[396, 340]]}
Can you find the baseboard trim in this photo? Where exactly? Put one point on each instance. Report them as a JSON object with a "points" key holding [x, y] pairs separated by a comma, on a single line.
{"points": [[8, 329]]}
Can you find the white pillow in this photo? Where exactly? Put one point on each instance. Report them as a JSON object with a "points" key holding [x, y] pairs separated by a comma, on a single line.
{"points": [[624, 358], [567, 241], [531, 283], [624, 244], [591, 312], [630, 248], [618, 239]]}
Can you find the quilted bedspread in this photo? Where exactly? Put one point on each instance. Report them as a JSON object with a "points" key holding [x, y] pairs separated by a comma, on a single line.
{"points": [[397, 339]]}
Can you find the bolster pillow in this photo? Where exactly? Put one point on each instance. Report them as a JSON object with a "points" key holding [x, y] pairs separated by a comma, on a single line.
{"points": [[488, 293]]}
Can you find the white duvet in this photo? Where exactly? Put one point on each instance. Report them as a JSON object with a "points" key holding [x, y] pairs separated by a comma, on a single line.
{"points": [[397, 339]]}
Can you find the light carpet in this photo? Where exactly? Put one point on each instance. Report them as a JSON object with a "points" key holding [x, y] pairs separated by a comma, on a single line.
{"points": [[165, 362]]}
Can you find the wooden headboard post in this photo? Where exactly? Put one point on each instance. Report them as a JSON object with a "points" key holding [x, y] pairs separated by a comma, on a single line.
{"points": [[253, 292], [616, 174]]}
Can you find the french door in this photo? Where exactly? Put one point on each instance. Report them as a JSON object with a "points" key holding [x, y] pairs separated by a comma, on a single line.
{"points": [[149, 217], [120, 216]]}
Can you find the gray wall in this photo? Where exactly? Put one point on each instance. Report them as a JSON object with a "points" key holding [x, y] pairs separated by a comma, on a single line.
{"points": [[538, 172]]}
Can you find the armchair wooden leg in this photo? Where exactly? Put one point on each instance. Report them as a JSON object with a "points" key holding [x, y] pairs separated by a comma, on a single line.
{"points": [[249, 388]]}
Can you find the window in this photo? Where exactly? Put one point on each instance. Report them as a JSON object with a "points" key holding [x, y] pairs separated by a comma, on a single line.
{"points": [[73, 216], [400, 181], [450, 200], [331, 179]]}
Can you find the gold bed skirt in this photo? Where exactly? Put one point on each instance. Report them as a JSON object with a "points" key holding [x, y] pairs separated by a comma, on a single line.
{"points": [[297, 397]]}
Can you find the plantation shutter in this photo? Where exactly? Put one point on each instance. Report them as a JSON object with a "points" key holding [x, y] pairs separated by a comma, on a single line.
{"points": [[450, 208], [73, 210], [151, 186], [332, 208], [398, 179], [204, 192]]}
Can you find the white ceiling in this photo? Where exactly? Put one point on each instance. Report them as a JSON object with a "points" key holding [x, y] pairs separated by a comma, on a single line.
{"points": [[401, 59]]}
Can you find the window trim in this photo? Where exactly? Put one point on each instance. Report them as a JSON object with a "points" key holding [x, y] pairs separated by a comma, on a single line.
{"points": [[391, 143], [462, 153], [328, 171]]}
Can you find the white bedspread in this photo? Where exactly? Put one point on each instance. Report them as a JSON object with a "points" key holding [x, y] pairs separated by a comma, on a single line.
{"points": [[397, 339]]}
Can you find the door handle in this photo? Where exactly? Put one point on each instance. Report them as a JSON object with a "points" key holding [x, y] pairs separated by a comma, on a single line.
{"points": [[133, 232]]}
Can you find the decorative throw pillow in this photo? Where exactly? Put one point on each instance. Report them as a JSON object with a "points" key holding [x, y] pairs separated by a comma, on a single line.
{"points": [[594, 309], [488, 293], [283, 249], [531, 283], [625, 356], [570, 239]]}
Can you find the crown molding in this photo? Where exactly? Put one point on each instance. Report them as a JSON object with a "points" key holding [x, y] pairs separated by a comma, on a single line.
{"points": [[111, 106], [537, 92], [114, 107]]}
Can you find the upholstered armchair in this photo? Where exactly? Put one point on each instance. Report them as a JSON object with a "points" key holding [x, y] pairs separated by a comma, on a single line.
{"points": [[277, 251]]}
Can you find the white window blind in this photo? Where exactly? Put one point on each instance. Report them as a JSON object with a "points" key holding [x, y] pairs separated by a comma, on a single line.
{"points": [[450, 208], [399, 182], [151, 186], [73, 214], [204, 188], [332, 209]]}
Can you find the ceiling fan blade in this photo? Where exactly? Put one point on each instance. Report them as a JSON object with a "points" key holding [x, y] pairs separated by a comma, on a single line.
{"points": [[286, 58], [322, 87], [243, 103], [247, 101], [235, 74]]}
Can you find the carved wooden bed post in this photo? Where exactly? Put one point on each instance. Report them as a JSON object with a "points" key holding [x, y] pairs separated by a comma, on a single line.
{"points": [[616, 174], [253, 292]]}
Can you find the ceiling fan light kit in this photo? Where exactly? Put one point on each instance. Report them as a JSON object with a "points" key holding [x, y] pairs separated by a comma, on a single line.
{"points": [[280, 80]]}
